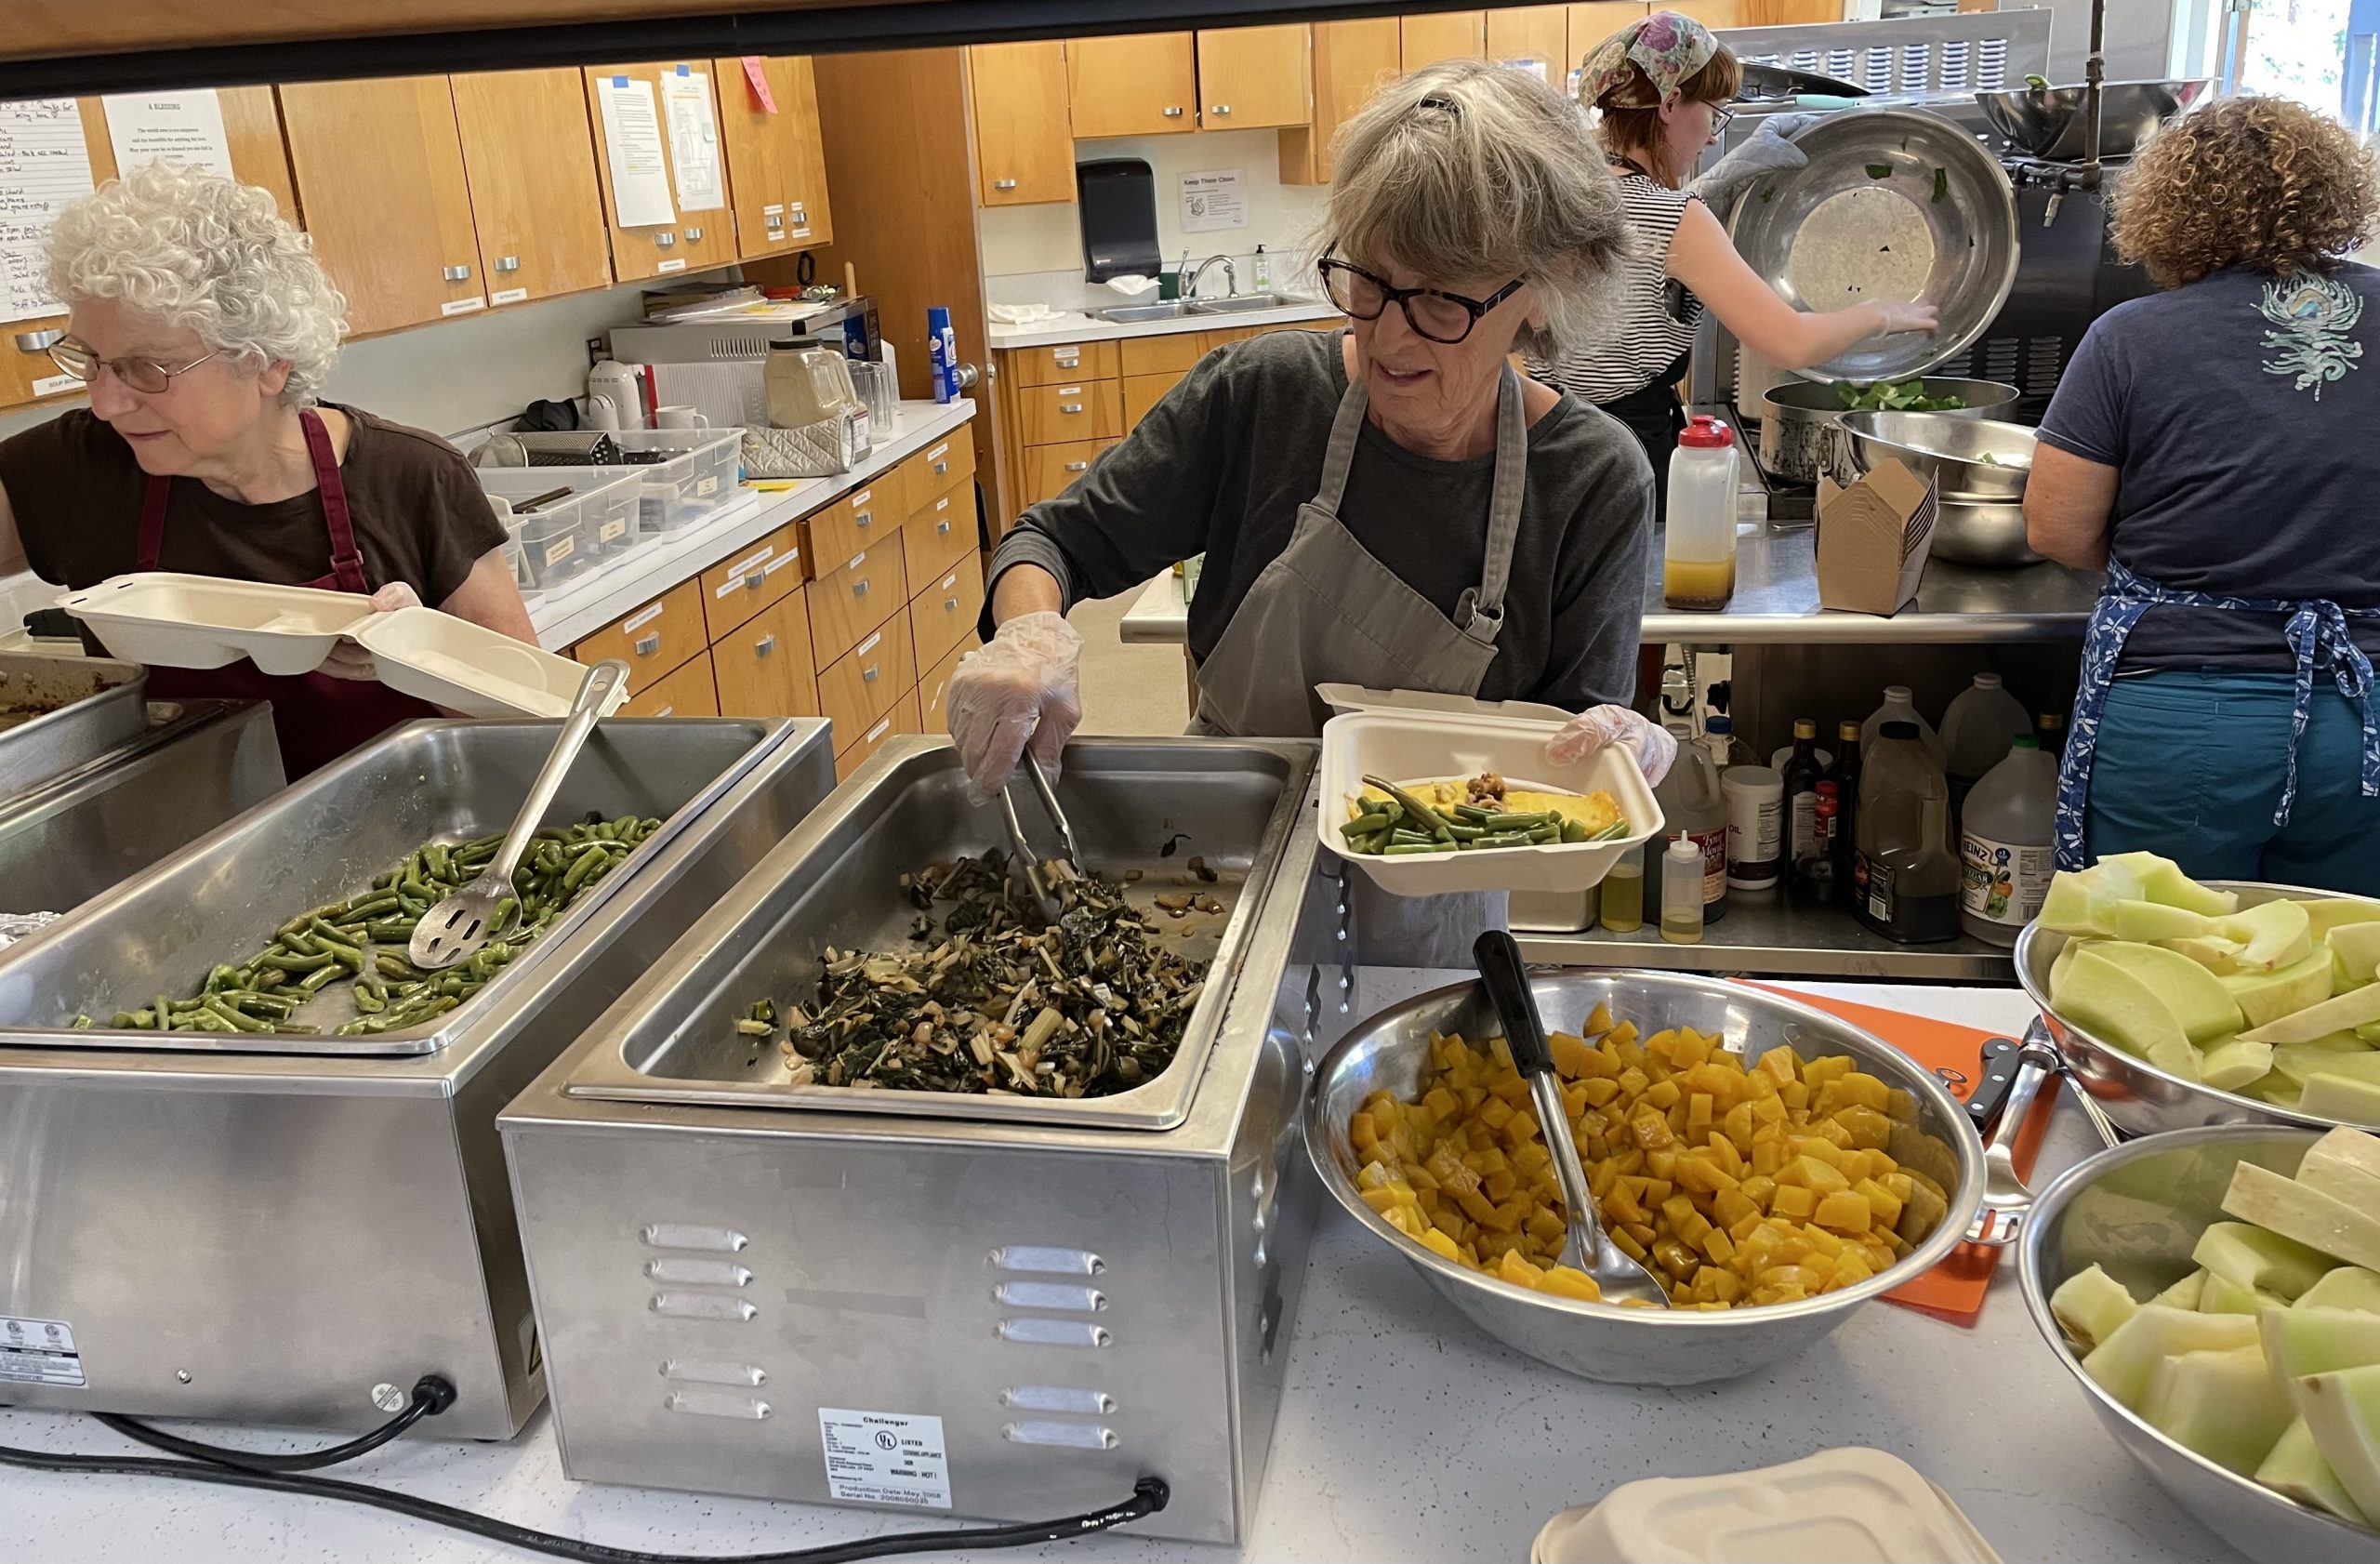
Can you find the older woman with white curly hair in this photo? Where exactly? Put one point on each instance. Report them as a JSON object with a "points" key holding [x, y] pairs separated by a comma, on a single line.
{"points": [[204, 327], [1389, 504]]}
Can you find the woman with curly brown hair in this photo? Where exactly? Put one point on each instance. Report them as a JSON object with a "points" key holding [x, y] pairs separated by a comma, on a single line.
{"points": [[2216, 448]]}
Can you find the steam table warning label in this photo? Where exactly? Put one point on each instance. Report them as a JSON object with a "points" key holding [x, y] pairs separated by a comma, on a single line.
{"points": [[41, 1352], [883, 1457]]}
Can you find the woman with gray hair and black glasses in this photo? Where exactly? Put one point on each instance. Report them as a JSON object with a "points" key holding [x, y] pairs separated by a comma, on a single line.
{"points": [[1390, 504], [204, 327]]}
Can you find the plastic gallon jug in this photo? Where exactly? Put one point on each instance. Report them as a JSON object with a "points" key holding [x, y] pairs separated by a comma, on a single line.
{"points": [[1905, 879], [1976, 731], [1901, 706], [2004, 843]]}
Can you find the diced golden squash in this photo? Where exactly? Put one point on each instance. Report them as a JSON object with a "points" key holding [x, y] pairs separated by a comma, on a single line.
{"points": [[1565, 1281]]}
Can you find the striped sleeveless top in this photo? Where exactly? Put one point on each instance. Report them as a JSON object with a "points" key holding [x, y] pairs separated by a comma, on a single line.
{"points": [[1657, 314]]}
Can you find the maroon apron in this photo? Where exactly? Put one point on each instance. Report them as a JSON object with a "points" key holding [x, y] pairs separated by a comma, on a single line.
{"points": [[317, 718]]}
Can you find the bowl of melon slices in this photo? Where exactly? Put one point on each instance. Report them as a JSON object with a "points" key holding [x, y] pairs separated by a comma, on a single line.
{"points": [[2216, 1294], [2181, 1003]]}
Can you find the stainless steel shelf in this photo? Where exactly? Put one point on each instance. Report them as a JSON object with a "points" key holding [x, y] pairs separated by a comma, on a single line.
{"points": [[1779, 939]]}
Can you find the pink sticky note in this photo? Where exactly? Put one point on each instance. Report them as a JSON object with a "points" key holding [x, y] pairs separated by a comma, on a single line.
{"points": [[758, 80]]}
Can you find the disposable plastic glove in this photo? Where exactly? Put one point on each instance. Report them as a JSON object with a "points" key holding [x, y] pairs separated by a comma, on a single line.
{"points": [[1024, 687], [1654, 746], [1769, 149], [348, 658]]}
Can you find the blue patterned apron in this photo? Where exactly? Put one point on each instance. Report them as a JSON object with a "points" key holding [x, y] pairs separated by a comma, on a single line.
{"points": [[2316, 626]]}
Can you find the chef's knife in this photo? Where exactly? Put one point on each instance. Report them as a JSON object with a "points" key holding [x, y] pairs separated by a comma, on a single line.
{"points": [[1991, 1086]]}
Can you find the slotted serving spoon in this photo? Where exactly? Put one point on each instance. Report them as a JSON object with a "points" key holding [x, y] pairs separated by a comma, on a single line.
{"points": [[1588, 1248], [455, 927]]}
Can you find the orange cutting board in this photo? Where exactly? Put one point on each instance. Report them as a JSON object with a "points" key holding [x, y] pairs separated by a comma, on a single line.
{"points": [[1955, 1288]]}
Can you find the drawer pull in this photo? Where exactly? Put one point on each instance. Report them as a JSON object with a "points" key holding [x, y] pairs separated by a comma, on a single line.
{"points": [[1069, 357], [942, 469], [507, 263], [950, 605], [756, 580], [859, 589], [863, 518], [459, 273], [943, 527], [694, 236], [763, 646], [1069, 406], [1172, 114], [1222, 108], [1003, 184], [1077, 467], [646, 646], [665, 239], [867, 675]]}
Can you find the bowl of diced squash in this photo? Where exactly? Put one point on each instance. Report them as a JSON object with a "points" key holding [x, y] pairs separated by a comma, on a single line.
{"points": [[1774, 1166]]}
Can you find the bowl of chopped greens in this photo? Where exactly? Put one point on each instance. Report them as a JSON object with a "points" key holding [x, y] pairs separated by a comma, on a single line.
{"points": [[1794, 416]]}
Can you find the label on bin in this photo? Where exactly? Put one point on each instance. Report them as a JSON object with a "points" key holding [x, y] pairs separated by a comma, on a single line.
{"points": [[616, 527], [884, 1458], [703, 486], [560, 550], [41, 1352]]}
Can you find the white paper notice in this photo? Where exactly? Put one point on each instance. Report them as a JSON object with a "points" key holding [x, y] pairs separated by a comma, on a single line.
{"points": [[43, 165], [884, 1458], [632, 137], [1217, 198], [185, 127], [1536, 67], [693, 140]]}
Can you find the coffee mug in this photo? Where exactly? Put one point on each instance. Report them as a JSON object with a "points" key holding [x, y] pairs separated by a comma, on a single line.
{"points": [[681, 417]]}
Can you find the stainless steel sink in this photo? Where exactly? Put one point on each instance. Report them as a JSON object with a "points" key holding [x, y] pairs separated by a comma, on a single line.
{"points": [[1126, 314], [1174, 309]]}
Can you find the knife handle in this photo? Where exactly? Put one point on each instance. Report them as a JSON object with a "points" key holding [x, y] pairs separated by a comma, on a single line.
{"points": [[1999, 1073]]}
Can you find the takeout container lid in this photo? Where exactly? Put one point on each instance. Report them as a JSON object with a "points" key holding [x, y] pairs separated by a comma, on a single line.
{"points": [[170, 620], [1851, 1505], [1405, 744]]}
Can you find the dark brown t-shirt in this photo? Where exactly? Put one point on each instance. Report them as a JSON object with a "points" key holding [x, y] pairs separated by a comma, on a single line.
{"points": [[419, 514]]}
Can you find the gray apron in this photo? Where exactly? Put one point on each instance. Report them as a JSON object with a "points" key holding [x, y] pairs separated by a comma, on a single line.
{"points": [[1328, 611]]}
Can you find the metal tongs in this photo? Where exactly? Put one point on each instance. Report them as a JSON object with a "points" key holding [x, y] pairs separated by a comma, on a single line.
{"points": [[1072, 858]]}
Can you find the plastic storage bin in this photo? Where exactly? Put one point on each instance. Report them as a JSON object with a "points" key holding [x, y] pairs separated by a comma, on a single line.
{"points": [[692, 471], [566, 537]]}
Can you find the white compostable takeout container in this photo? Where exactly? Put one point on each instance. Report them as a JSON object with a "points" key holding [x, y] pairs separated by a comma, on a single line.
{"points": [[1416, 743], [169, 620]]}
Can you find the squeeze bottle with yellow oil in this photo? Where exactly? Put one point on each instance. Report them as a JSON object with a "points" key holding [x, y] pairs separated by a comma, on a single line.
{"points": [[1698, 549]]}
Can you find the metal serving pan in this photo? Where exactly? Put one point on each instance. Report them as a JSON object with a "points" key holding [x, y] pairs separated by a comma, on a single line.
{"points": [[1805, 224], [835, 882], [325, 836], [57, 714]]}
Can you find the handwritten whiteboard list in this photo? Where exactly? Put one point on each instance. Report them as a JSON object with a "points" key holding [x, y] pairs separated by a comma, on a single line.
{"points": [[43, 165]]}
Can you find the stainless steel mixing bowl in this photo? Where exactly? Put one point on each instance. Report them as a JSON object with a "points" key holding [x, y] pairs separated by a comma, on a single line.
{"points": [[1795, 416], [2136, 1212], [1970, 460], [1600, 1341], [2140, 1098], [2047, 123], [1988, 533]]}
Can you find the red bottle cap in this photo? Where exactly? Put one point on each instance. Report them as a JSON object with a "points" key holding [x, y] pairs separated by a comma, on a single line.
{"points": [[1704, 432]]}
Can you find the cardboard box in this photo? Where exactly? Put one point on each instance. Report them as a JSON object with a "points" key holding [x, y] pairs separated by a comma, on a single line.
{"points": [[1873, 539]]}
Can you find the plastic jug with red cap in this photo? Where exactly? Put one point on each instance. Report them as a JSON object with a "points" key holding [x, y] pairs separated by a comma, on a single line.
{"points": [[1698, 557]]}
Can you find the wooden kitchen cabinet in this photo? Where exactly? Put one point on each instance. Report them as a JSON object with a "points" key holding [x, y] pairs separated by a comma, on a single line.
{"points": [[1592, 23], [1254, 78], [1143, 84], [698, 239], [1351, 60], [1539, 32], [1025, 151], [688, 692], [1443, 35], [776, 160], [535, 206], [762, 667], [1728, 13], [380, 176]]}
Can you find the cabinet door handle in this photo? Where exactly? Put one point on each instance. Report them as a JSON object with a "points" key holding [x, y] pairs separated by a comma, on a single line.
{"points": [[1173, 113], [1003, 184], [1222, 108], [763, 646], [868, 674], [39, 341], [507, 263], [459, 273], [665, 239], [646, 646], [1069, 406], [694, 236], [667, 711], [801, 213], [1077, 467], [777, 219]]}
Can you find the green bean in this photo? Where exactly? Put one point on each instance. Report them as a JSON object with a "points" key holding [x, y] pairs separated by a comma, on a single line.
{"points": [[1364, 824], [582, 866], [1465, 833], [233, 1018], [286, 1027], [1545, 835], [320, 978], [1402, 837], [393, 931], [1504, 839], [373, 907], [439, 861], [1520, 822], [1617, 830], [1402, 849], [1421, 814], [1573, 830], [123, 1022]]}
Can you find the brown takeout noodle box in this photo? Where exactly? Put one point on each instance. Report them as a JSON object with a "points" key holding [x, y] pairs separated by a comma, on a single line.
{"points": [[1873, 539]]}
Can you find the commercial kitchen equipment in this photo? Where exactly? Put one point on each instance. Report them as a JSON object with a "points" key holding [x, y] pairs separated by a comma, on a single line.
{"points": [[60, 713], [714, 361], [742, 1283], [221, 1231]]}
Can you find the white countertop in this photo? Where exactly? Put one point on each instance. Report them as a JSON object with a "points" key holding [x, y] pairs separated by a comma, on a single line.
{"points": [[1073, 328], [592, 600], [1404, 1434]]}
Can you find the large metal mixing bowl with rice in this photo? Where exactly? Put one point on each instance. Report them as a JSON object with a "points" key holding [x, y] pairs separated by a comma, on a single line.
{"points": [[1894, 205]]}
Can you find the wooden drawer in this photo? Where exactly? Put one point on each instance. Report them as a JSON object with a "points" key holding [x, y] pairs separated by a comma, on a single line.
{"points": [[1145, 392], [755, 577], [933, 691], [847, 602], [762, 667], [938, 535], [1077, 410], [1063, 363], [902, 719], [861, 520], [856, 689], [943, 466], [686, 693], [655, 639], [1049, 469], [945, 611], [1161, 356]]}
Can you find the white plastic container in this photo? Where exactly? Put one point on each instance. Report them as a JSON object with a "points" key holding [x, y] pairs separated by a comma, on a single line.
{"points": [[1698, 546], [695, 473], [1414, 746], [171, 620], [1755, 798], [2005, 843], [468, 668], [1901, 706], [1977, 729], [1840, 1506], [563, 537]]}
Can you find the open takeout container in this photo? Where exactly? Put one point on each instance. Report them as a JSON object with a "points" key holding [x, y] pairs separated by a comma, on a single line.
{"points": [[1442, 739], [169, 620]]}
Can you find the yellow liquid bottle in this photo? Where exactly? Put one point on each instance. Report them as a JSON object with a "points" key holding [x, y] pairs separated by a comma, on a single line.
{"points": [[1681, 894], [1622, 908]]}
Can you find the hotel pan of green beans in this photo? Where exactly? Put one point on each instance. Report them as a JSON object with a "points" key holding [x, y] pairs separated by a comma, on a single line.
{"points": [[356, 946]]}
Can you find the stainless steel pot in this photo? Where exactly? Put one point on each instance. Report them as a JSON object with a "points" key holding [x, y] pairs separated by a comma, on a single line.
{"points": [[2048, 122], [1795, 416]]}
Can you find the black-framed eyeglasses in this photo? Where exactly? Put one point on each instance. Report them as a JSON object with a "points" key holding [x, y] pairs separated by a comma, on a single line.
{"points": [[1432, 312], [145, 375], [1720, 119]]}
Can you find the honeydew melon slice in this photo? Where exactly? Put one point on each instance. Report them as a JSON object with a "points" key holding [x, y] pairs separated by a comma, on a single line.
{"points": [[2121, 1364], [2223, 1405], [2341, 1053], [2161, 880], [2331, 1095], [2357, 1007], [2080, 901], [2222, 1296], [2185, 1294], [2265, 997], [2116, 1005], [2153, 920], [2342, 1411], [2278, 933], [2231, 1066], [2356, 950], [2179, 1060], [2195, 996], [2349, 1287], [2251, 1257], [2091, 1304], [2217, 954], [2295, 1468], [2331, 913], [2344, 1164], [2299, 1342], [2287, 1208]]}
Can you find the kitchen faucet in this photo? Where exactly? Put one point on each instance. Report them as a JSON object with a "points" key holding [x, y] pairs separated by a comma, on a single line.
{"points": [[1231, 277]]}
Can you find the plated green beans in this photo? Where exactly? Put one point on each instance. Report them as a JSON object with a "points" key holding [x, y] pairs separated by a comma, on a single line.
{"points": [[1401, 824], [336, 943]]}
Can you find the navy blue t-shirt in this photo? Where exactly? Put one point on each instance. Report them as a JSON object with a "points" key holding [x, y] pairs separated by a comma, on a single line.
{"points": [[2242, 416]]}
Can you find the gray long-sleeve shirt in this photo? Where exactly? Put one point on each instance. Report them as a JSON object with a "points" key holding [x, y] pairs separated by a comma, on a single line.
{"points": [[1222, 464]]}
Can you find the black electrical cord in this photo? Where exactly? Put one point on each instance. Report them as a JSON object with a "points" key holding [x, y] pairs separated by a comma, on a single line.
{"points": [[431, 1395], [1149, 1495]]}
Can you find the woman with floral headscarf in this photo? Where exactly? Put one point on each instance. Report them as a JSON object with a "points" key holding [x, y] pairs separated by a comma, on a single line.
{"points": [[1660, 85]]}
